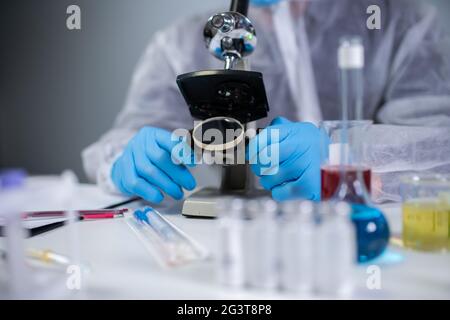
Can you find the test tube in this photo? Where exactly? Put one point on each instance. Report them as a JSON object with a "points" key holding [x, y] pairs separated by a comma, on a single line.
{"points": [[20, 280], [230, 247], [335, 249], [296, 247], [169, 245], [261, 244]]}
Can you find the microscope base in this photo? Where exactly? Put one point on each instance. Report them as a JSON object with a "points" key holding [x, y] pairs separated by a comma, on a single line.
{"points": [[202, 204]]}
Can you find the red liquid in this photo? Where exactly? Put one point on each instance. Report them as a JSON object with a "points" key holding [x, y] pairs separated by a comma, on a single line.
{"points": [[330, 176]]}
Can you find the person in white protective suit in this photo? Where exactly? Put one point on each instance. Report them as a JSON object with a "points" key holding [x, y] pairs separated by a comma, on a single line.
{"points": [[407, 94]]}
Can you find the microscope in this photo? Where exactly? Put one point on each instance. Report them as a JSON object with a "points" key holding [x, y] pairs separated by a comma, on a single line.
{"points": [[231, 98]]}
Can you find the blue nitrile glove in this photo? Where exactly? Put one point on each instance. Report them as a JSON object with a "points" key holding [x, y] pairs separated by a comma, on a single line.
{"points": [[264, 3], [297, 173], [146, 166]]}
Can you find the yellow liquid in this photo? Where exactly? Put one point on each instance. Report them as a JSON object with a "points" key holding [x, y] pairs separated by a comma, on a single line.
{"points": [[426, 224]]}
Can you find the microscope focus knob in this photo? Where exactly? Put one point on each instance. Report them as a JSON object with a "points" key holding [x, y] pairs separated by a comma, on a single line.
{"points": [[227, 43]]}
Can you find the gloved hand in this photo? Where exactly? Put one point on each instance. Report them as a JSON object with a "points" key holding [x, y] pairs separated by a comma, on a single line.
{"points": [[146, 167], [297, 172], [264, 3]]}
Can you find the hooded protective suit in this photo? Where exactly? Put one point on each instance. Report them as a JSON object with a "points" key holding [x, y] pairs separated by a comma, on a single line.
{"points": [[407, 81]]}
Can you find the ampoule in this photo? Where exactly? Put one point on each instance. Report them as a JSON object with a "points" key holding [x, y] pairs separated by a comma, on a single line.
{"points": [[231, 243], [261, 243], [335, 249], [297, 229]]}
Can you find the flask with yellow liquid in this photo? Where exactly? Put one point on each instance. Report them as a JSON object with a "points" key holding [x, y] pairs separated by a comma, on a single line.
{"points": [[426, 212]]}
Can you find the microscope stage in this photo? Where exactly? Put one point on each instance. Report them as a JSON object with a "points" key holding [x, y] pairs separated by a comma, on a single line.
{"points": [[203, 203]]}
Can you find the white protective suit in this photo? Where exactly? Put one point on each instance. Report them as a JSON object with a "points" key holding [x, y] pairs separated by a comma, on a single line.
{"points": [[407, 81]]}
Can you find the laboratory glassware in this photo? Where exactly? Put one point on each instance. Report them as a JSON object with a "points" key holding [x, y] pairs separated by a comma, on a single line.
{"points": [[297, 237], [27, 277], [261, 243], [299, 247], [372, 229], [230, 247], [334, 249], [168, 244], [331, 158], [426, 212]]}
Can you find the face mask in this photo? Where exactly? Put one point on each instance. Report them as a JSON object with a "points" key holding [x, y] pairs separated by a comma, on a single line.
{"points": [[264, 3]]}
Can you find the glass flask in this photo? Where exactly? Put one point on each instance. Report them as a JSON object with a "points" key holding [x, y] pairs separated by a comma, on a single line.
{"points": [[346, 156]]}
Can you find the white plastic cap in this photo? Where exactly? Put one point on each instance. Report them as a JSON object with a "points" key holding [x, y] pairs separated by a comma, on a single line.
{"points": [[290, 207], [237, 204], [351, 54], [253, 208], [343, 209], [306, 208], [270, 205]]}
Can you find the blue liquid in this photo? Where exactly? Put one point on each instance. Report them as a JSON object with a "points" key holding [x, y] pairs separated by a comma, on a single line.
{"points": [[372, 232]]}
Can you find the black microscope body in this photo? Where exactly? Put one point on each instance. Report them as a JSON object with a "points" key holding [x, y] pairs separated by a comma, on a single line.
{"points": [[232, 92]]}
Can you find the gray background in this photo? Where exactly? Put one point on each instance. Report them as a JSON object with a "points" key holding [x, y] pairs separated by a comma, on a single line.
{"points": [[59, 89]]}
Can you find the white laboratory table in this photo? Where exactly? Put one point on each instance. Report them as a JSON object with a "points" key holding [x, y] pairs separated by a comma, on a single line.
{"points": [[123, 269]]}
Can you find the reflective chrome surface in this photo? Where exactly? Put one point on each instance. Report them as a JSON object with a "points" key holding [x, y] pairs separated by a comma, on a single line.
{"points": [[230, 36]]}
